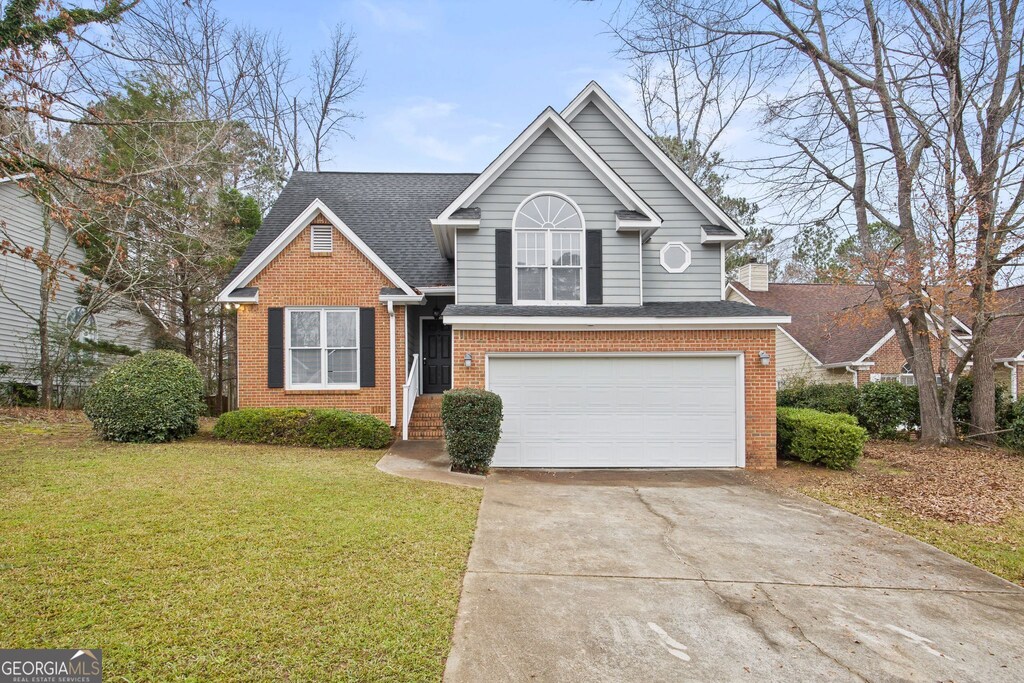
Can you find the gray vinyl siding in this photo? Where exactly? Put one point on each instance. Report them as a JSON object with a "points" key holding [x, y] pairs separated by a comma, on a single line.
{"points": [[21, 223], [547, 165], [702, 281]]}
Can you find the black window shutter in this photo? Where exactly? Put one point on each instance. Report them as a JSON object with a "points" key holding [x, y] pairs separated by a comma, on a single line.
{"points": [[367, 347], [503, 266], [275, 348], [595, 286]]}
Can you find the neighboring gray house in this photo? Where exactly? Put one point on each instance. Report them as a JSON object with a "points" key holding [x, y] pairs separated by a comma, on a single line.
{"points": [[21, 224], [580, 276]]}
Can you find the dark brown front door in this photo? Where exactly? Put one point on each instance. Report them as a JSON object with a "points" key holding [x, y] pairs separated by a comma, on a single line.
{"points": [[437, 357]]}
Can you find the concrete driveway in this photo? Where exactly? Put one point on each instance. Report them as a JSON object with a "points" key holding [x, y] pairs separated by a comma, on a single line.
{"points": [[700, 575]]}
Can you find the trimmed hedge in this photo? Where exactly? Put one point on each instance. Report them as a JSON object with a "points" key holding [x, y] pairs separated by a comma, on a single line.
{"points": [[472, 427], [830, 439], [152, 397], [827, 398], [318, 427], [888, 410]]}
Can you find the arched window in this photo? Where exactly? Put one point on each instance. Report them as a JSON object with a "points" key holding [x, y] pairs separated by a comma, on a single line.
{"points": [[548, 243]]}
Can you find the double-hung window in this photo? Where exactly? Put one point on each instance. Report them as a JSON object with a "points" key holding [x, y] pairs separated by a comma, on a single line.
{"points": [[548, 249], [323, 348]]}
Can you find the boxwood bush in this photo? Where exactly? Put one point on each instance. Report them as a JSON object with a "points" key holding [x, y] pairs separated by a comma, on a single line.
{"points": [[828, 398], [888, 410], [152, 397], [316, 427], [831, 439], [472, 426]]}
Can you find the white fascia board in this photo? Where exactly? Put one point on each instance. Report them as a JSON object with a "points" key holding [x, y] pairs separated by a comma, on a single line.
{"points": [[595, 94], [444, 233], [402, 298], [738, 293], [292, 231], [437, 291], [710, 239], [482, 322], [800, 346], [550, 120], [239, 299], [839, 366], [16, 178], [874, 349]]}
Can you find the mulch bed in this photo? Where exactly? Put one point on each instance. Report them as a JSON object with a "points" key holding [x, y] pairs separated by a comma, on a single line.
{"points": [[958, 484]]}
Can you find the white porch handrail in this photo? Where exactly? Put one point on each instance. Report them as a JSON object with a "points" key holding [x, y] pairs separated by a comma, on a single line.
{"points": [[410, 391]]}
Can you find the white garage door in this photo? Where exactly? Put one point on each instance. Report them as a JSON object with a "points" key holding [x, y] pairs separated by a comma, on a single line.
{"points": [[617, 411]]}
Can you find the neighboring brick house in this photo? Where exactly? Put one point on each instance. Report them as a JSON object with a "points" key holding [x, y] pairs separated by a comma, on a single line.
{"points": [[838, 333], [580, 276], [1008, 332]]}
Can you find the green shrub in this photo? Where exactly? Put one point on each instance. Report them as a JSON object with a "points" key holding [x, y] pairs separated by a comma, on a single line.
{"points": [[830, 439], [1005, 410], [472, 427], [1013, 438], [152, 397], [888, 410], [827, 398], [319, 428]]}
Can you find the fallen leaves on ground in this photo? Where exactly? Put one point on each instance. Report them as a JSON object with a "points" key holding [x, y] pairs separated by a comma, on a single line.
{"points": [[958, 484]]}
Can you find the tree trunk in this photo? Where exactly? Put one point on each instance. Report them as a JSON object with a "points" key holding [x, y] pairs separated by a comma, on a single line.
{"points": [[983, 398]]}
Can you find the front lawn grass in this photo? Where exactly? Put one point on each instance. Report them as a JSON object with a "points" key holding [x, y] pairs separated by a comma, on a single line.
{"points": [[209, 561]]}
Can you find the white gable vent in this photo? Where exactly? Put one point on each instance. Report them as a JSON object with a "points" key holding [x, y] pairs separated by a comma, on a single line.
{"points": [[321, 239]]}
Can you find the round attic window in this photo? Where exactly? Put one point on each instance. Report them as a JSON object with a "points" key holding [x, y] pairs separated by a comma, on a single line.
{"points": [[675, 257]]}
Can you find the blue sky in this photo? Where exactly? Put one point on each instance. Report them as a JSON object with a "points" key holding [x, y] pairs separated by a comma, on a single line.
{"points": [[449, 84]]}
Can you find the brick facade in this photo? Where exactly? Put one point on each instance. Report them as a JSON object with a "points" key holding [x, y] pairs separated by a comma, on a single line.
{"points": [[297, 277], [889, 360], [760, 379]]}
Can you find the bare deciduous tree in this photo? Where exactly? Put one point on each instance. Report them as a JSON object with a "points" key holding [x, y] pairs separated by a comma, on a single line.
{"points": [[905, 115]]}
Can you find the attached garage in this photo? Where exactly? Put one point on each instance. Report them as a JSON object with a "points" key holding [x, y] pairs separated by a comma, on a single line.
{"points": [[619, 410]]}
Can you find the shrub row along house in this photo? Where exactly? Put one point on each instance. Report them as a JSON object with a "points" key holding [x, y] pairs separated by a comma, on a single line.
{"points": [[581, 276], [839, 332]]}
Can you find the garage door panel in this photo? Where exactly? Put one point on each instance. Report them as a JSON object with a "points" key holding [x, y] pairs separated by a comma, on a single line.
{"points": [[615, 411]]}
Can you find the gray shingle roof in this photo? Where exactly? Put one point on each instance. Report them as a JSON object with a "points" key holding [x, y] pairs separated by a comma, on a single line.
{"points": [[682, 309], [717, 230], [391, 212], [630, 215], [245, 291], [472, 212]]}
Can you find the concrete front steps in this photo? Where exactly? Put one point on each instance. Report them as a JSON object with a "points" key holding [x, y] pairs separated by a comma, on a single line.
{"points": [[426, 418]]}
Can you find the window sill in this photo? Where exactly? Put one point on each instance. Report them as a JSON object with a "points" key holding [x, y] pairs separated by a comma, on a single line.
{"points": [[319, 392]]}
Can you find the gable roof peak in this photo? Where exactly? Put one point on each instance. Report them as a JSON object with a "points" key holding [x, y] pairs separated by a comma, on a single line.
{"points": [[594, 94]]}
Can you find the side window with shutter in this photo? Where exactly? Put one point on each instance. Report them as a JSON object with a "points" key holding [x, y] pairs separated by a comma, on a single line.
{"points": [[503, 266]]}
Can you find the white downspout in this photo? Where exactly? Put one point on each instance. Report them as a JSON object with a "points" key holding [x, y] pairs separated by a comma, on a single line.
{"points": [[1013, 380], [391, 320], [850, 368]]}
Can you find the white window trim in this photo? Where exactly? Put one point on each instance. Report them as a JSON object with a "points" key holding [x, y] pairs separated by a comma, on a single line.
{"points": [[548, 268], [323, 385], [686, 263]]}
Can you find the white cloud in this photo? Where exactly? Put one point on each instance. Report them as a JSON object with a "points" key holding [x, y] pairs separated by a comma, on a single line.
{"points": [[395, 16], [435, 129]]}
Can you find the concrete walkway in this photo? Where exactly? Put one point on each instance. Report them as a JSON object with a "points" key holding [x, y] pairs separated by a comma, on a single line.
{"points": [[425, 460], [699, 575]]}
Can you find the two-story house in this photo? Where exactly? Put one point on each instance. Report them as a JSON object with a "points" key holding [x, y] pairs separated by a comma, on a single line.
{"points": [[22, 226], [581, 276]]}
